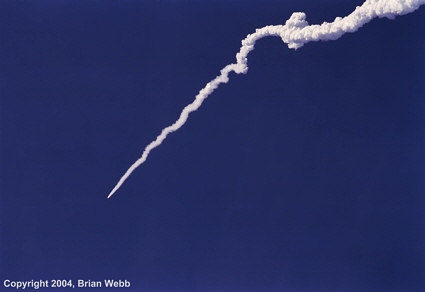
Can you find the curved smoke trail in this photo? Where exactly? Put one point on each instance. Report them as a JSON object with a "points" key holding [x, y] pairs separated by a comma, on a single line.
{"points": [[296, 32]]}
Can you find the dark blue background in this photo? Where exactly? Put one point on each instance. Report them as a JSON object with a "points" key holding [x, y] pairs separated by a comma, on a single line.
{"points": [[306, 174]]}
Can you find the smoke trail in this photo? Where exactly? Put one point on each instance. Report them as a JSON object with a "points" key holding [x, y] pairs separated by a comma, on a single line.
{"points": [[296, 32]]}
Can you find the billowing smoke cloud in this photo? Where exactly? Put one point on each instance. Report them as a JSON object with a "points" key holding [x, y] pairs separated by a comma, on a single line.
{"points": [[296, 32]]}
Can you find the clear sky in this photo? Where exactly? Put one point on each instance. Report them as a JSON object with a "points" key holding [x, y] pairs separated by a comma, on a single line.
{"points": [[305, 174]]}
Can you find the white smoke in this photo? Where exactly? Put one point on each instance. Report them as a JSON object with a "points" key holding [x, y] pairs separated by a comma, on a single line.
{"points": [[296, 32]]}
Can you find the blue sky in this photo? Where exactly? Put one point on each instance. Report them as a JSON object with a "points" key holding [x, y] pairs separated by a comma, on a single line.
{"points": [[305, 174]]}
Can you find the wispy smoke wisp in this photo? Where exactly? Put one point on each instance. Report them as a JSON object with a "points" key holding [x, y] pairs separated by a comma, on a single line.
{"points": [[296, 32]]}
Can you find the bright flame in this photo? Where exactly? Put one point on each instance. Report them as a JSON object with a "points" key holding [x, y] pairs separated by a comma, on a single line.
{"points": [[296, 32]]}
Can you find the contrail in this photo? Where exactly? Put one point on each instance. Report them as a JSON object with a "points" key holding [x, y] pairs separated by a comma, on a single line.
{"points": [[296, 32]]}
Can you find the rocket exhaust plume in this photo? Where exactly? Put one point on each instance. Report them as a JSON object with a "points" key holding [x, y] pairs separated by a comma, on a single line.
{"points": [[296, 32]]}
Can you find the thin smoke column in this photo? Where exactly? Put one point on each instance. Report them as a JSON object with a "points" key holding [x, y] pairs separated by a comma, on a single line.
{"points": [[296, 32]]}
